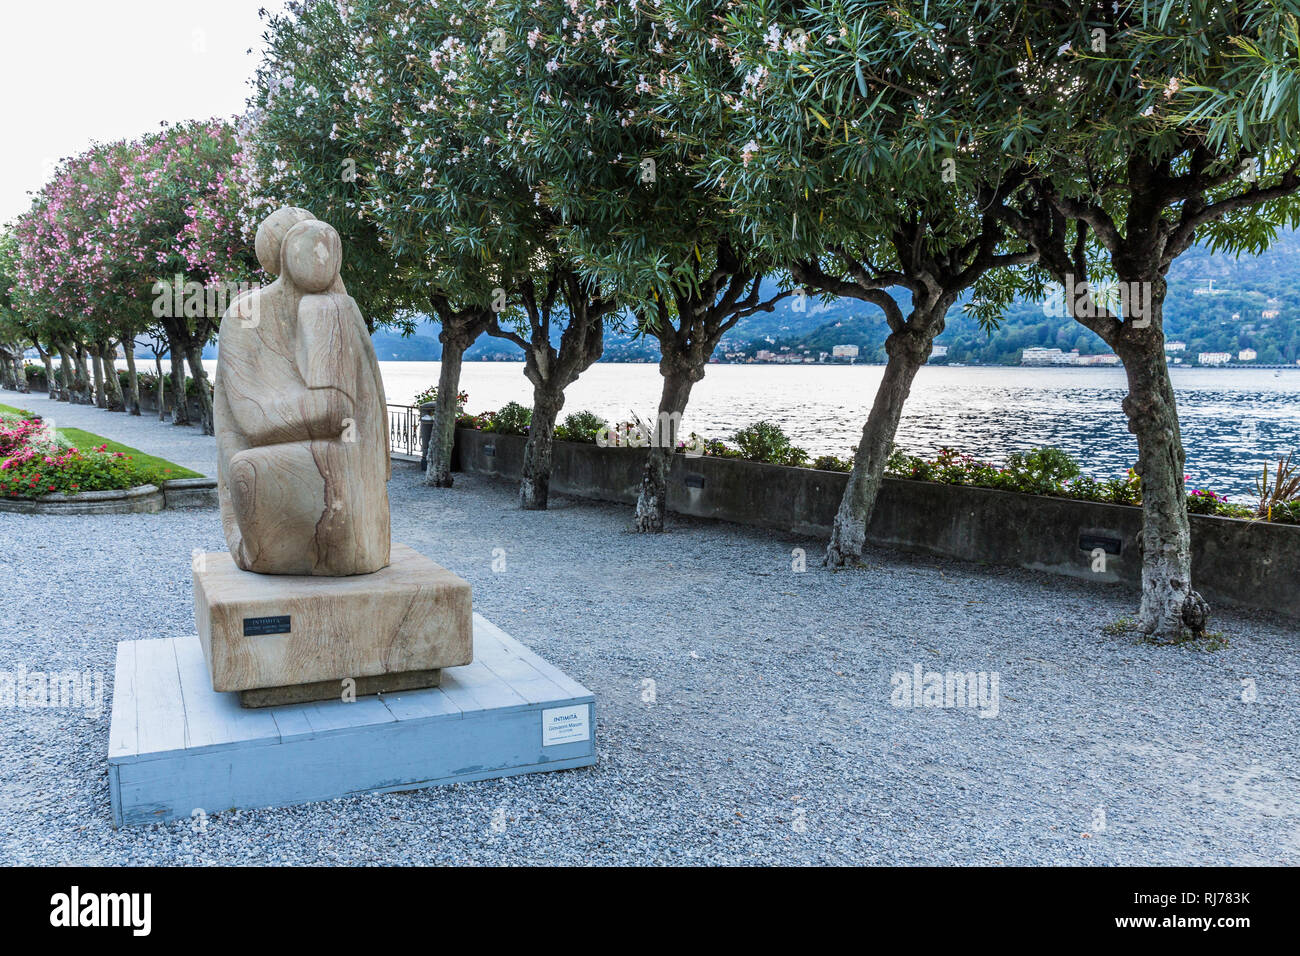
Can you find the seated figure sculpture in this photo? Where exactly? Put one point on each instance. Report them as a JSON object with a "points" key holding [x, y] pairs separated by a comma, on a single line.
{"points": [[300, 415]]}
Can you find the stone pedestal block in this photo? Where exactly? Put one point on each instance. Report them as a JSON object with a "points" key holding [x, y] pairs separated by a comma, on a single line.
{"points": [[262, 631], [175, 746]]}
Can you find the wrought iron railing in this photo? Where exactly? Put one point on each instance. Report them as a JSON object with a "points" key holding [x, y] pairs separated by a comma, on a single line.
{"points": [[404, 429]]}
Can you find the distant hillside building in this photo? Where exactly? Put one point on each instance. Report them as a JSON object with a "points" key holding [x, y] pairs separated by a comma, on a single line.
{"points": [[844, 351], [1214, 358], [1247, 355], [939, 351], [1175, 346], [1041, 356], [1105, 358]]}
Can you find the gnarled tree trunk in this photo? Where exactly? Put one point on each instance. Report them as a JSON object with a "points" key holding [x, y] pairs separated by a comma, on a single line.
{"points": [[534, 489], [84, 387], [132, 397], [20, 372], [51, 384], [161, 386], [66, 375], [1170, 609], [97, 372], [442, 438], [115, 401], [908, 349], [180, 400], [652, 502], [459, 330], [203, 387]]}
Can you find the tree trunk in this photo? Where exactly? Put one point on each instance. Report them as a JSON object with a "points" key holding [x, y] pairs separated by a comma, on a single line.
{"points": [[85, 392], [201, 386], [20, 372], [1170, 609], [180, 400], [65, 375], [7, 377], [97, 373], [112, 384], [50, 382], [443, 437], [161, 386], [132, 377], [535, 487], [908, 349], [652, 502]]}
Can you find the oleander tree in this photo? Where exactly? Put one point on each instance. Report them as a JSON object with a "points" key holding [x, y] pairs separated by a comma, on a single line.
{"points": [[24, 320], [1146, 126], [175, 218], [318, 138], [594, 121], [56, 268], [818, 123], [15, 334], [438, 88], [110, 308], [301, 145]]}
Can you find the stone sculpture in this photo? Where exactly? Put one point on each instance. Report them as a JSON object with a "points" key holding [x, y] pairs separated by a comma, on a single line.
{"points": [[301, 421], [313, 602]]}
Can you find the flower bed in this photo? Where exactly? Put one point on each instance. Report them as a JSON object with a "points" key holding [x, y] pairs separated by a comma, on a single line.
{"points": [[35, 463]]}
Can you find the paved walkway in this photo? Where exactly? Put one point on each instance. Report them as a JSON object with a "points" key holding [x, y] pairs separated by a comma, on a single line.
{"points": [[184, 444]]}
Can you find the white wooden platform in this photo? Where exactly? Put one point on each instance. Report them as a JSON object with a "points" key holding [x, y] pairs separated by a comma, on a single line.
{"points": [[175, 745]]}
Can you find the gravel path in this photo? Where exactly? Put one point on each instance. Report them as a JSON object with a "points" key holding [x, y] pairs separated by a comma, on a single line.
{"points": [[770, 738], [184, 444]]}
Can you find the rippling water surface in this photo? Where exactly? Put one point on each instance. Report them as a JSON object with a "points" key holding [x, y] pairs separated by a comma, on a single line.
{"points": [[1234, 421]]}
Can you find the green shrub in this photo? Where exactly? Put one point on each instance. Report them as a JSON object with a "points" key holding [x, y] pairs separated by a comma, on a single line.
{"points": [[1125, 491], [513, 419], [430, 395], [1202, 502], [1286, 513], [482, 422], [765, 441], [832, 463], [580, 426], [1040, 471], [719, 449]]}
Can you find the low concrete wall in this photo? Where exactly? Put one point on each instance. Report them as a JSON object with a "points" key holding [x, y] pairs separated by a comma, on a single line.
{"points": [[143, 499], [190, 493], [1234, 562]]}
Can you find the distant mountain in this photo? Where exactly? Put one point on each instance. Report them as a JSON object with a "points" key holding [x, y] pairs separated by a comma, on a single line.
{"points": [[1216, 303]]}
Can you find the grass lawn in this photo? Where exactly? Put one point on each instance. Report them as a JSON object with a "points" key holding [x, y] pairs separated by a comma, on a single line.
{"points": [[84, 439]]}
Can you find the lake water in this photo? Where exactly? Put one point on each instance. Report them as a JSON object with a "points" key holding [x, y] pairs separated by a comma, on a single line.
{"points": [[1234, 421]]}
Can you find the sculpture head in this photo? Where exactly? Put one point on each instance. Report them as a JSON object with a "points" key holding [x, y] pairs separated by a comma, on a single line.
{"points": [[271, 233], [312, 253]]}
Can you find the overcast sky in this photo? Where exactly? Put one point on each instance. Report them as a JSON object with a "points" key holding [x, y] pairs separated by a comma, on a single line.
{"points": [[73, 71]]}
